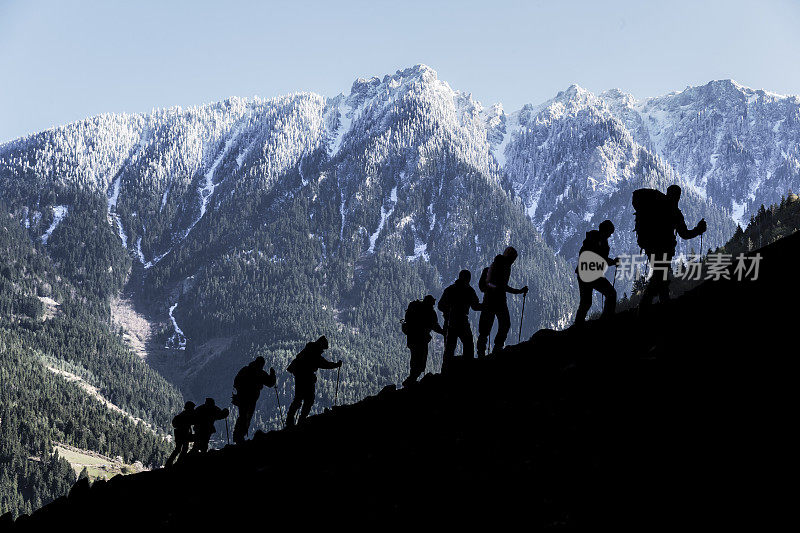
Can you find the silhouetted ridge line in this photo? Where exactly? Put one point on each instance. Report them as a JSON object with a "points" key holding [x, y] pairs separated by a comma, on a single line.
{"points": [[677, 414]]}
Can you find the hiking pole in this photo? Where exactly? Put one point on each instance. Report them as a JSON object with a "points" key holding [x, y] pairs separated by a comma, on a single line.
{"points": [[227, 434], [519, 337], [701, 247], [336, 395], [280, 409]]}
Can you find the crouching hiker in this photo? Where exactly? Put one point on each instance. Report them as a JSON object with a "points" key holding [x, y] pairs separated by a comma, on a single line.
{"points": [[204, 418], [304, 368], [183, 434], [248, 383]]}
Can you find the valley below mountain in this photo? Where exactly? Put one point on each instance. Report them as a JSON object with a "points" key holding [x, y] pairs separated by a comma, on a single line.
{"points": [[179, 245]]}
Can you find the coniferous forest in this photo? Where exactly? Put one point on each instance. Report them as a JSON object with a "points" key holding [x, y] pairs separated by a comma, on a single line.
{"points": [[249, 227]]}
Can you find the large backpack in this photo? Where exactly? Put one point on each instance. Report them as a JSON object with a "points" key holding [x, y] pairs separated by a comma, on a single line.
{"points": [[653, 212], [241, 378], [594, 243], [414, 317], [299, 363], [239, 382]]}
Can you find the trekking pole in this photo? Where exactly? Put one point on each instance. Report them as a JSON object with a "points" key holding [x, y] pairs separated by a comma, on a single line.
{"points": [[701, 247], [280, 409], [227, 434], [519, 337], [336, 395]]}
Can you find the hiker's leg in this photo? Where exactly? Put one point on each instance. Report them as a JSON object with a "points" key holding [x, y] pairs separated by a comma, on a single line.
{"points": [[465, 334], [663, 294], [184, 451], [308, 400], [419, 358], [503, 325], [294, 406], [201, 444], [484, 328], [604, 287], [174, 454], [451, 338], [585, 292], [242, 426]]}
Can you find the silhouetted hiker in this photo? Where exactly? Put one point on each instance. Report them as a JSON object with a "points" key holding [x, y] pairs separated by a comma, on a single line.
{"points": [[455, 303], [182, 422], [494, 300], [248, 383], [204, 418], [419, 321], [596, 241], [304, 368], [658, 220]]}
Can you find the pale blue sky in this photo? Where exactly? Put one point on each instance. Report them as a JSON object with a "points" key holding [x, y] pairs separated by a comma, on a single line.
{"points": [[61, 61]]}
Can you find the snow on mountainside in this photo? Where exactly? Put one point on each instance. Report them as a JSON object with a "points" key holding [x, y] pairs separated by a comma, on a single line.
{"points": [[574, 164], [572, 160], [382, 194], [738, 146], [403, 123], [577, 155]]}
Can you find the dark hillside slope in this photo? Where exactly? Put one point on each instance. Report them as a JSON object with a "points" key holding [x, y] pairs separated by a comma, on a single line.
{"points": [[676, 416]]}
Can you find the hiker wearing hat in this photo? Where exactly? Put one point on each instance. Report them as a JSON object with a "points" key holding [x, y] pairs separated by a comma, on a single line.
{"points": [[420, 320], [494, 284], [204, 418], [304, 368], [248, 383], [658, 221], [592, 264], [183, 433]]}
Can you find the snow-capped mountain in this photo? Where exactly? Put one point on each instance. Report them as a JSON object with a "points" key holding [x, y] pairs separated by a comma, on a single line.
{"points": [[574, 163], [738, 146], [236, 212], [246, 214]]}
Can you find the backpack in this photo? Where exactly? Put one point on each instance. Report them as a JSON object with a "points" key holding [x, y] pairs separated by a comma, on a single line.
{"points": [[240, 378], [594, 243], [412, 322], [482, 282], [653, 219], [300, 363]]}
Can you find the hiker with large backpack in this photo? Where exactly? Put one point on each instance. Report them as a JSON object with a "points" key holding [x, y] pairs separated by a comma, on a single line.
{"points": [[455, 303], [494, 284], [304, 368], [419, 321], [593, 260], [182, 422], [658, 221], [248, 384]]}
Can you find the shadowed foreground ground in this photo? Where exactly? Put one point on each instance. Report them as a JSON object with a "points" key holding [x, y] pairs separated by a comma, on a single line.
{"points": [[675, 418]]}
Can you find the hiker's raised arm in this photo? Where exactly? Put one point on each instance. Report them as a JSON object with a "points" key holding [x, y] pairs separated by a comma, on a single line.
{"points": [[684, 232], [269, 379], [328, 365]]}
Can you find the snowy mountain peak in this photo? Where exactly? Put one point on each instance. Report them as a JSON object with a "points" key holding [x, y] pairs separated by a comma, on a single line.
{"points": [[618, 97], [574, 92]]}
